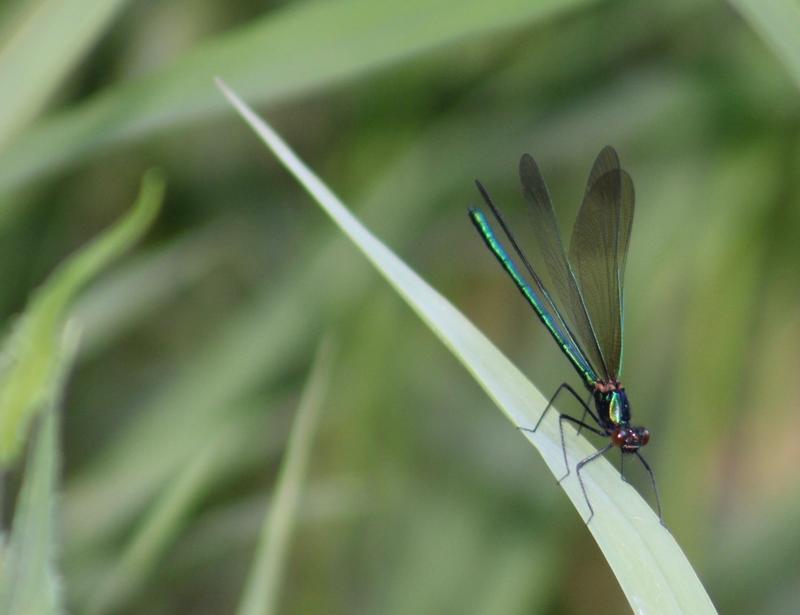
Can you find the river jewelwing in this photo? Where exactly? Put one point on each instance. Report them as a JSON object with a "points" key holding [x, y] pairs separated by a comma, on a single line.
{"points": [[578, 296]]}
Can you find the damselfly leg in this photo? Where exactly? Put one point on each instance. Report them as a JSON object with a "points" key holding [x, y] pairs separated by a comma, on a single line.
{"points": [[580, 466]]}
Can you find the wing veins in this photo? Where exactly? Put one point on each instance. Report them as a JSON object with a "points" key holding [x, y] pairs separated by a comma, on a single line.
{"points": [[561, 272], [551, 307], [598, 251], [525, 262]]}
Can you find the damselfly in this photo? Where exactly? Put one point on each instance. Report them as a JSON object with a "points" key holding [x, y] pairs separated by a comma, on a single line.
{"points": [[578, 295]]}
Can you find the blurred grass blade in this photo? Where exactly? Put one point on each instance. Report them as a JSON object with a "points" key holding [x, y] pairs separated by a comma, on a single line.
{"points": [[778, 23], [302, 46], [651, 568], [263, 586], [159, 529], [145, 283], [29, 353], [46, 40], [29, 582]]}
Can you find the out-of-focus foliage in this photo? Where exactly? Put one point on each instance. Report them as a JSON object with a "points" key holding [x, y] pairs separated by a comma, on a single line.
{"points": [[201, 340], [31, 353], [40, 44], [261, 594], [778, 22], [29, 582]]}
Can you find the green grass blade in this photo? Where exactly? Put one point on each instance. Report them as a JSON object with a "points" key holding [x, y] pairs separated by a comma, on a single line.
{"points": [[30, 352], [778, 23], [45, 42], [146, 282], [304, 46], [650, 566], [29, 582], [261, 592], [164, 522]]}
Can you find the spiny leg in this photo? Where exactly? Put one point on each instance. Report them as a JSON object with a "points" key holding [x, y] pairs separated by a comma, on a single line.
{"points": [[622, 465], [585, 409], [571, 419], [655, 488], [566, 386], [580, 465], [566, 417]]}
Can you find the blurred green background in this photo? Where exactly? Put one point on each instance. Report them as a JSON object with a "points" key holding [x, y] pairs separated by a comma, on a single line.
{"points": [[420, 496]]}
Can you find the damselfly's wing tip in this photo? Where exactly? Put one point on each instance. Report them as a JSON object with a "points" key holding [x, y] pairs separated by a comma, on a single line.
{"points": [[609, 150], [612, 187], [607, 160], [533, 184], [526, 165], [528, 169]]}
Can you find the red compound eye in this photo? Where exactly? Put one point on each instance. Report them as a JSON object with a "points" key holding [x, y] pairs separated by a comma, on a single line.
{"points": [[644, 436], [619, 436]]}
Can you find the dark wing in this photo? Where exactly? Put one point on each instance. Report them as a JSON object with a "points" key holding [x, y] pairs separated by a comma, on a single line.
{"points": [[607, 160], [598, 252], [545, 241], [533, 290]]}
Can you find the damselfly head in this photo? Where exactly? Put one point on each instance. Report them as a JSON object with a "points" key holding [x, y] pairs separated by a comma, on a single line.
{"points": [[630, 439]]}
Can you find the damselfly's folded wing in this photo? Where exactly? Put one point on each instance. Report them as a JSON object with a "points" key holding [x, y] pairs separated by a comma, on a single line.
{"points": [[530, 285], [542, 239], [598, 252]]}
